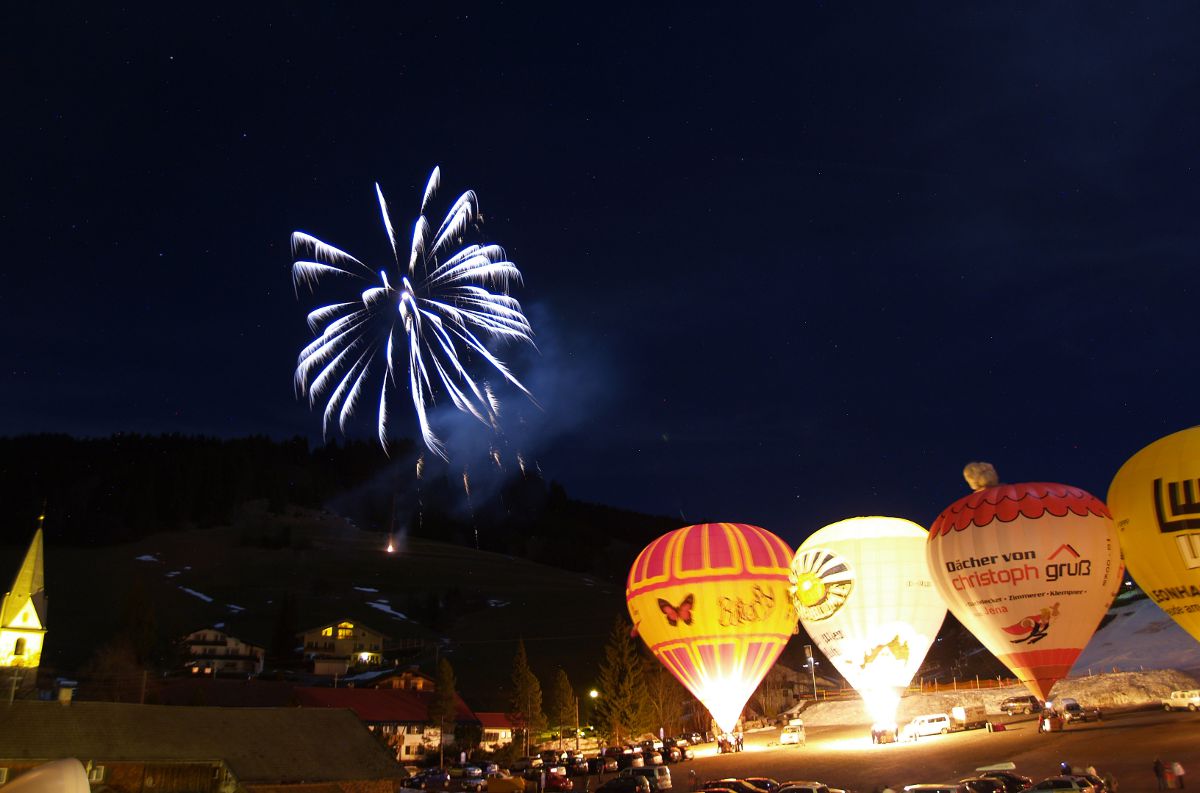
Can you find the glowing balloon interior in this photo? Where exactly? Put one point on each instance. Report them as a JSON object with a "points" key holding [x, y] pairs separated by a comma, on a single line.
{"points": [[711, 602], [1030, 569], [1155, 501], [864, 594]]}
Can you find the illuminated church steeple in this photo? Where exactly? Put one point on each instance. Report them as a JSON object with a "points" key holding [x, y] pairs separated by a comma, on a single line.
{"points": [[23, 617]]}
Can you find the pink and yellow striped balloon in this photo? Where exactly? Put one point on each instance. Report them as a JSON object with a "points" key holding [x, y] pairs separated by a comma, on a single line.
{"points": [[711, 601]]}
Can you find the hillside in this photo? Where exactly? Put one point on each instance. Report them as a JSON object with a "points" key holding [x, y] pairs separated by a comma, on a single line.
{"points": [[471, 605]]}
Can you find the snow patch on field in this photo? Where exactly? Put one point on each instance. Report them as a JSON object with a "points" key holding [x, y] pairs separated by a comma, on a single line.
{"points": [[386, 608], [1139, 636], [200, 595], [147, 557], [366, 589], [235, 609]]}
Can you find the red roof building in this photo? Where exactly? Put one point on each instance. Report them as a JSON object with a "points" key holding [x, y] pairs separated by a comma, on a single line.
{"points": [[400, 715]]}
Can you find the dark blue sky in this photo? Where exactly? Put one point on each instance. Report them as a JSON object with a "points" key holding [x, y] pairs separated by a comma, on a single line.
{"points": [[786, 266]]}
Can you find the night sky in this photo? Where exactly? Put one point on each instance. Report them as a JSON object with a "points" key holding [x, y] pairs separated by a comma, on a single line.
{"points": [[784, 266]]}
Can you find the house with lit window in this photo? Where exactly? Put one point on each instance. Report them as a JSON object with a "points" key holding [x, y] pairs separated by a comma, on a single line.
{"points": [[23, 619], [497, 730], [409, 678], [336, 647], [213, 652]]}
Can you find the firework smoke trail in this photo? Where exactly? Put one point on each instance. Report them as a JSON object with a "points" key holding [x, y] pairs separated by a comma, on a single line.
{"points": [[448, 304], [420, 503], [466, 479]]}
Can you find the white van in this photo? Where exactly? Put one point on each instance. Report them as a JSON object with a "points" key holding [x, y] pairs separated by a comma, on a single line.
{"points": [[930, 724], [1183, 700]]}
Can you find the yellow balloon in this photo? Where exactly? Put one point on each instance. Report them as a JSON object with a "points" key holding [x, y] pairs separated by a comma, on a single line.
{"points": [[711, 601], [1155, 500]]}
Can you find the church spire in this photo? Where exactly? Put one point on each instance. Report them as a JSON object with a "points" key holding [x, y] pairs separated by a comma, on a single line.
{"points": [[29, 585]]}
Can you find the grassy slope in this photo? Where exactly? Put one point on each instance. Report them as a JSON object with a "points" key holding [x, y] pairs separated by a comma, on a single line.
{"points": [[564, 617]]}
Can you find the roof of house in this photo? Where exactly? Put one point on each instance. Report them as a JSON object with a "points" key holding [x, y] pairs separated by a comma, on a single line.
{"points": [[260, 745], [379, 705], [494, 721], [336, 622]]}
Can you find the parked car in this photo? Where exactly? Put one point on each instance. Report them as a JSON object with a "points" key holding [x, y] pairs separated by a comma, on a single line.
{"points": [[793, 734], [430, 779], [559, 783], [766, 783], [602, 765], [474, 784], [652, 757], [1013, 783], [1065, 784], [1186, 699], [736, 785], [802, 786], [625, 784], [677, 749], [658, 776], [577, 765], [935, 788], [1071, 710], [983, 784], [503, 782], [525, 763], [631, 760], [1023, 704]]}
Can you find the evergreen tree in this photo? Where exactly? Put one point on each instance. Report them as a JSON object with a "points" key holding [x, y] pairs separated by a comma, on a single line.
{"points": [[666, 697], [526, 702], [621, 710], [443, 705], [562, 704]]}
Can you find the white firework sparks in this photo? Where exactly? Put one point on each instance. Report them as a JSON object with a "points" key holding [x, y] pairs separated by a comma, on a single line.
{"points": [[449, 304]]}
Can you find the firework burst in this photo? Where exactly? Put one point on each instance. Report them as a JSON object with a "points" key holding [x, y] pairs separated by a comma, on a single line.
{"points": [[438, 310]]}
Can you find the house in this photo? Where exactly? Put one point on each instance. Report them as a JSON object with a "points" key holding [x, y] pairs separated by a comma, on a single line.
{"points": [[400, 717], [408, 679], [497, 730], [161, 749], [336, 647], [213, 652], [23, 619]]}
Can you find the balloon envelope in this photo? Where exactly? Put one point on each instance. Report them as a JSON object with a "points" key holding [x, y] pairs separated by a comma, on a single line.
{"points": [[1155, 501], [1030, 569], [864, 594], [711, 601]]}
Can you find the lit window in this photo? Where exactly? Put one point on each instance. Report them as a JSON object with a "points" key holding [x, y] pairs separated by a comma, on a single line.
{"points": [[19, 649], [345, 630], [327, 631], [96, 774]]}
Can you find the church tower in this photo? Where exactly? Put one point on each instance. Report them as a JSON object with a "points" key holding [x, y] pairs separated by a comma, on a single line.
{"points": [[23, 619]]}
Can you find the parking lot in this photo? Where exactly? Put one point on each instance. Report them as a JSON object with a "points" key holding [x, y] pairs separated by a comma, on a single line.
{"points": [[1124, 743]]}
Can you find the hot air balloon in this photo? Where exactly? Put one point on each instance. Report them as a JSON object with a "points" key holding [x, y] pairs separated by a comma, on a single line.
{"points": [[711, 602], [863, 592], [1155, 501], [1030, 569]]}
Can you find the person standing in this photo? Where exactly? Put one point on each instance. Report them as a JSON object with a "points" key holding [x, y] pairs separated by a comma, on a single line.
{"points": [[1160, 774], [1177, 770]]}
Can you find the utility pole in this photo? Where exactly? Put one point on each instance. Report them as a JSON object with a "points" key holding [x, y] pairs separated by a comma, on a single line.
{"points": [[812, 667], [577, 724]]}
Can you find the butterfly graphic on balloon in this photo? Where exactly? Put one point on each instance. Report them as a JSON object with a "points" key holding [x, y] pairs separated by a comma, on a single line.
{"points": [[677, 614]]}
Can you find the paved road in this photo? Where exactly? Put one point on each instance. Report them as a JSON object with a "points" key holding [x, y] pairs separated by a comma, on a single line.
{"points": [[1124, 743]]}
